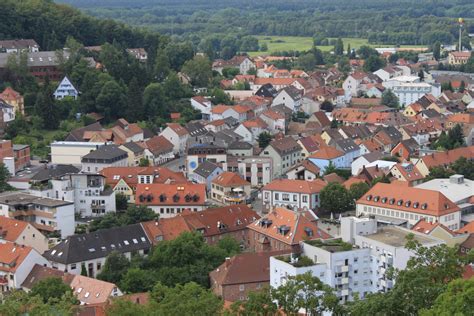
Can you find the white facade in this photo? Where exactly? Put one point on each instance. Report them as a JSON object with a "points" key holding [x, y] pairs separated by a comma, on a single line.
{"points": [[256, 170], [71, 153], [178, 141], [65, 89], [284, 98], [97, 166], [291, 200], [202, 106]]}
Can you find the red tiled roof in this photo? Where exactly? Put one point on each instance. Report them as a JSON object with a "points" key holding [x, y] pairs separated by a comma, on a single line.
{"points": [[296, 221], [297, 186], [230, 179], [468, 228], [157, 145], [437, 204], [327, 152], [351, 181], [448, 157], [11, 229], [178, 129], [425, 227], [170, 194], [12, 256]]}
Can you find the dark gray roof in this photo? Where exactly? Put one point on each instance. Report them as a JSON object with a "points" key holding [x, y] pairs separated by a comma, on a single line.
{"points": [[372, 156], [37, 59], [240, 145], [134, 147], [294, 93], [106, 152], [195, 129], [54, 171], [99, 244], [205, 169], [231, 121], [267, 90], [347, 145]]}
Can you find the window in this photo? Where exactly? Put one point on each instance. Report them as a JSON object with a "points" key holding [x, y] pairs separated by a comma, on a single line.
{"points": [[73, 266], [277, 196], [305, 199], [241, 287], [295, 198]]}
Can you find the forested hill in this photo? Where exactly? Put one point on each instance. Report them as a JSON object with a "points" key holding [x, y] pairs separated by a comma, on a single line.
{"points": [[382, 21], [50, 24]]}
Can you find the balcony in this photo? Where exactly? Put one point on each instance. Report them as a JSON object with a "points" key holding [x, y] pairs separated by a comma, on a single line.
{"points": [[345, 281], [342, 269], [387, 260], [345, 292], [382, 270]]}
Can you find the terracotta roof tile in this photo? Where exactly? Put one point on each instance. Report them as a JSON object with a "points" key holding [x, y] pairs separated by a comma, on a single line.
{"points": [[297, 186], [11, 229], [12, 256], [230, 179], [327, 152], [447, 157], [189, 194]]}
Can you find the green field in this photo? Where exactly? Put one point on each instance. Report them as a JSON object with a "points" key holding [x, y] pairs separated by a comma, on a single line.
{"points": [[296, 43]]}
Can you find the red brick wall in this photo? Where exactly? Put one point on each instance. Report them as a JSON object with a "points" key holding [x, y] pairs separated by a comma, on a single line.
{"points": [[273, 245], [234, 292], [241, 236], [6, 149], [22, 158]]}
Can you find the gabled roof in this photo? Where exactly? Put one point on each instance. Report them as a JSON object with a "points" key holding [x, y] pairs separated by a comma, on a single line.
{"points": [[298, 226], [77, 135], [205, 169], [295, 186], [285, 145], [130, 175], [322, 118], [106, 152], [230, 179], [133, 147], [427, 202], [327, 152], [468, 228], [409, 172], [158, 145], [425, 227], [11, 229], [99, 244], [178, 129], [447, 157], [12, 256], [333, 178], [245, 268]]}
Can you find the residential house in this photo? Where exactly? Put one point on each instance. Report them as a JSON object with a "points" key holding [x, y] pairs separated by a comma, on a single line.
{"points": [[241, 62], [320, 119], [230, 188], [267, 91], [7, 115], [15, 263], [364, 160], [327, 156], [292, 194], [290, 97], [458, 58], [440, 231], [406, 149], [285, 153], [443, 159], [408, 173], [22, 233], [350, 149], [139, 54], [407, 205], [205, 173], [66, 89], [18, 46], [202, 105], [167, 200], [241, 274], [251, 129], [355, 83], [310, 144], [89, 251], [15, 99], [87, 290], [102, 157], [305, 170], [50, 216], [22, 156], [124, 180], [40, 64], [284, 229], [135, 153], [240, 148], [390, 72], [177, 135], [158, 150], [275, 121]]}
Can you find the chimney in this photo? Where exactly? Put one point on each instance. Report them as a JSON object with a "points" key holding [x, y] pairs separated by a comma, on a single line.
{"points": [[227, 262]]}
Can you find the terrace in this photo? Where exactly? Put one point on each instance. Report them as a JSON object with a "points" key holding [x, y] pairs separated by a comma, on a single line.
{"points": [[331, 245]]}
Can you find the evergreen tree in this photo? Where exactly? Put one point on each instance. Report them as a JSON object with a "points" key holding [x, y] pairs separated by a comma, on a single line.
{"points": [[462, 86], [339, 47], [162, 65], [4, 176], [349, 50], [437, 50], [45, 106], [390, 99], [135, 108]]}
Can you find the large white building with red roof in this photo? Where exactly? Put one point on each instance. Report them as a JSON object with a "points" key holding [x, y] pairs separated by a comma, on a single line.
{"points": [[407, 205]]}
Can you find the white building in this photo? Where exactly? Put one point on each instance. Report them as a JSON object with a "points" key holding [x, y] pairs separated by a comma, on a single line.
{"points": [[177, 135], [409, 89], [86, 191], [65, 89], [202, 105], [46, 214], [357, 264], [292, 194], [256, 170], [290, 97], [105, 156], [16, 263], [68, 152]]}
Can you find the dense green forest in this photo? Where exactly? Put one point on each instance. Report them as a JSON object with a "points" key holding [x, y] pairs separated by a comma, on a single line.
{"points": [[381, 21]]}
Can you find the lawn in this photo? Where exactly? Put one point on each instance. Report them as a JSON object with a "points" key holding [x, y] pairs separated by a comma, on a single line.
{"points": [[297, 43]]}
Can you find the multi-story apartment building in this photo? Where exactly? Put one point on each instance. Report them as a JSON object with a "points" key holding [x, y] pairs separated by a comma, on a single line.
{"points": [[198, 153], [256, 170], [357, 264], [46, 214], [105, 156], [285, 152]]}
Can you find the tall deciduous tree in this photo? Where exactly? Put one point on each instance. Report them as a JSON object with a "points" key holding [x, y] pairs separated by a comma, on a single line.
{"points": [[115, 267], [45, 106], [50, 288], [199, 70], [390, 99], [335, 198], [135, 109], [111, 101]]}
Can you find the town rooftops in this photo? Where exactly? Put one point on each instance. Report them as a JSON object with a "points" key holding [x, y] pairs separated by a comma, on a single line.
{"points": [[99, 244], [447, 157], [296, 186], [457, 188], [18, 44], [130, 175], [288, 226], [157, 145], [105, 154], [178, 129], [15, 198], [229, 179], [37, 59], [54, 171], [409, 199]]}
